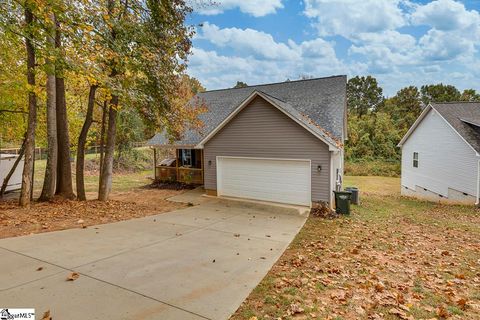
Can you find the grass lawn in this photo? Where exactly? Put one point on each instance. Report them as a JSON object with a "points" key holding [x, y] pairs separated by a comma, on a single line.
{"points": [[120, 182], [129, 199], [392, 258]]}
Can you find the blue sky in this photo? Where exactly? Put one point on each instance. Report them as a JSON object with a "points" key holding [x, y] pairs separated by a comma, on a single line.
{"points": [[400, 42]]}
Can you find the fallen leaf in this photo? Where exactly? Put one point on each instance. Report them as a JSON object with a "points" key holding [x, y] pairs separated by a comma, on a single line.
{"points": [[73, 276], [379, 287], [442, 312], [399, 313], [46, 315], [462, 303], [295, 308]]}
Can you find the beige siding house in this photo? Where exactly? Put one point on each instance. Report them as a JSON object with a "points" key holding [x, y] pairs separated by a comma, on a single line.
{"points": [[279, 142]]}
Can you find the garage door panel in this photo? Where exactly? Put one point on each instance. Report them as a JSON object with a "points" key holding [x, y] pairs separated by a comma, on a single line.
{"points": [[286, 181]]}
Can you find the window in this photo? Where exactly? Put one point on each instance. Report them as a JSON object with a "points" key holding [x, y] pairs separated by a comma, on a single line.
{"points": [[186, 157], [415, 159]]}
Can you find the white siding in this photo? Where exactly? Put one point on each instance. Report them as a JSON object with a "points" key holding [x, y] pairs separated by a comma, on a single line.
{"points": [[6, 164], [445, 159], [336, 158]]}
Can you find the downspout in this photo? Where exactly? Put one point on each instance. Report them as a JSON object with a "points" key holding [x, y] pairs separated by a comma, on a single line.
{"points": [[478, 185]]}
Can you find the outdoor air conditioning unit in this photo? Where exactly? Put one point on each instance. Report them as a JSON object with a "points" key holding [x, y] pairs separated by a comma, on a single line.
{"points": [[6, 163]]}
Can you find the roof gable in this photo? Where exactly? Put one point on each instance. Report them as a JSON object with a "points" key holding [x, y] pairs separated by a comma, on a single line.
{"points": [[321, 102], [462, 117], [282, 106]]}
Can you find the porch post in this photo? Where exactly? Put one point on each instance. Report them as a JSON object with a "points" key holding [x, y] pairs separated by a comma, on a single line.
{"points": [[154, 163], [202, 165], [176, 162]]}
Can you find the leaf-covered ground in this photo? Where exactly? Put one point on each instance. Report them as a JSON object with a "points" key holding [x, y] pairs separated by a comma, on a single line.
{"points": [[392, 258], [60, 215]]}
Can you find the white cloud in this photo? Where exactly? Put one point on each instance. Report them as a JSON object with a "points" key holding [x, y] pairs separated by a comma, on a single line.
{"points": [[261, 45], [454, 33], [350, 17], [439, 45], [247, 41], [256, 8], [446, 51], [258, 58], [445, 15]]}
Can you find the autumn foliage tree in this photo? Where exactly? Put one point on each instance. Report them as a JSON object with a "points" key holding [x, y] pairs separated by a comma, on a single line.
{"points": [[128, 55], [376, 124]]}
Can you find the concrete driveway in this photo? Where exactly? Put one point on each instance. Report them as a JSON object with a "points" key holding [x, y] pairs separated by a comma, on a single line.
{"points": [[197, 263]]}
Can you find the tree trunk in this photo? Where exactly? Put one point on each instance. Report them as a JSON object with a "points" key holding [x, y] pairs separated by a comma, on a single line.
{"points": [[49, 182], [27, 175], [82, 139], [64, 169], [12, 170], [102, 135], [107, 168]]}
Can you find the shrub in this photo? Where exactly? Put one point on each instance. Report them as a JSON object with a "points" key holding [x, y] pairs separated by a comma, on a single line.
{"points": [[373, 168]]}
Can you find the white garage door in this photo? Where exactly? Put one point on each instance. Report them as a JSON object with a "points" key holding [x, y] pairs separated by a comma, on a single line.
{"points": [[285, 181]]}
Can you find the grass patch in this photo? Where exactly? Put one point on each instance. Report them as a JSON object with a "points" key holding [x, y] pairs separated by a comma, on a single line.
{"points": [[373, 168], [390, 246]]}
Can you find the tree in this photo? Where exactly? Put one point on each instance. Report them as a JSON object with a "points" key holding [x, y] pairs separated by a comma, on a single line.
{"points": [[470, 95], [13, 85], [385, 137], [64, 169], [363, 95], [240, 84], [27, 175], [150, 69], [82, 139], [439, 93], [49, 182], [404, 108]]}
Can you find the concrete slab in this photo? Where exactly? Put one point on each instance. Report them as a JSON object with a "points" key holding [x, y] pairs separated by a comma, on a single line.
{"points": [[201, 261], [204, 270], [200, 216], [194, 196], [280, 227], [81, 246], [87, 298], [18, 269]]}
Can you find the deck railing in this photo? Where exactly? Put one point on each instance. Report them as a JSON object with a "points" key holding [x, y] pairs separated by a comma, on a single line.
{"points": [[183, 174]]}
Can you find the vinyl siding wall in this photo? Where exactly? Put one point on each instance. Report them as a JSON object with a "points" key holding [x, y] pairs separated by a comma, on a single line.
{"points": [[260, 130], [445, 160]]}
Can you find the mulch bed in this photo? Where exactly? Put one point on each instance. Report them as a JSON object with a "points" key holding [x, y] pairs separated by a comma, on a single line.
{"points": [[165, 185]]}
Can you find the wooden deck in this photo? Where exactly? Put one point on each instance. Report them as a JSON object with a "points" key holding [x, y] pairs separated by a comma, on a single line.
{"points": [[185, 174], [180, 174]]}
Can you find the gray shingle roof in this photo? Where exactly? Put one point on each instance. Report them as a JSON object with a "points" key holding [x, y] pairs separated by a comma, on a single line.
{"points": [[463, 116], [319, 102]]}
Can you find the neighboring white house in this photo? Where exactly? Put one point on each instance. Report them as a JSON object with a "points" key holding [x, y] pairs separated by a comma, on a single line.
{"points": [[441, 154], [6, 163]]}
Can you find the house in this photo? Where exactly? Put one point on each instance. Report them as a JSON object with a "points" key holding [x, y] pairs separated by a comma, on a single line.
{"points": [[441, 153], [279, 142]]}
